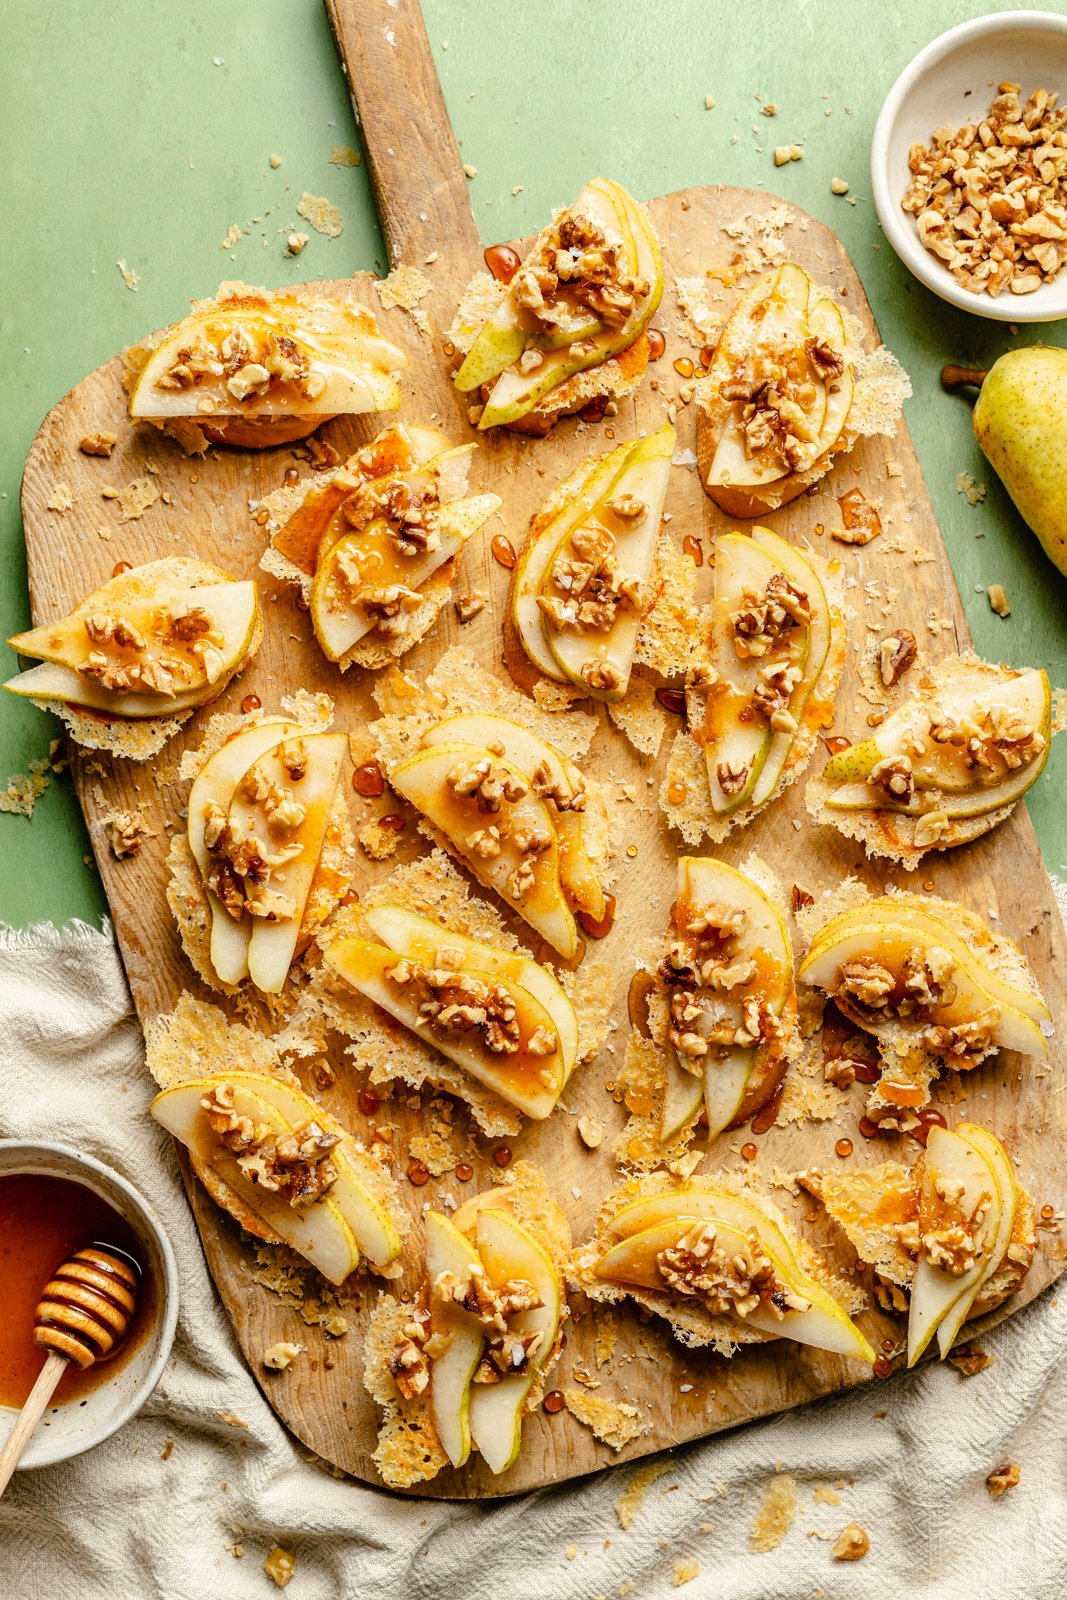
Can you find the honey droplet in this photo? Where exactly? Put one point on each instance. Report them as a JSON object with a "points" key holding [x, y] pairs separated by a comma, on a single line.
{"points": [[631, 851], [596, 410], [464, 1172], [120, 567], [656, 344], [503, 551], [929, 885], [1048, 1212], [553, 1401], [869, 1129], [684, 367], [502, 1155], [883, 1367], [672, 700], [843, 1148], [707, 355], [929, 1118], [888, 1345], [368, 1102], [598, 927], [262, 516], [749, 1152], [369, 780], [836, 743], [292, 477], [418, 1174], [767, 1115], [503, 262], [694, 549], [251, 702], [819, 529], [867, 1072], [676, 794], [858, 513], [875, 719], [392, 820]]}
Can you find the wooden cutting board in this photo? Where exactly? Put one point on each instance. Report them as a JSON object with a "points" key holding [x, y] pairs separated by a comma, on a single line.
{"points": [[425, 211]]}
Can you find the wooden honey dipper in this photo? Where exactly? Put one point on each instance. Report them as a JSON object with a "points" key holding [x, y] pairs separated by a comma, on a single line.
{"points": [[84, 1312]]}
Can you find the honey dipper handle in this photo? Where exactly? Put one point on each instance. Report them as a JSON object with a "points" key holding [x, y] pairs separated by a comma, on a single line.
{"points": [[30, 1415]]}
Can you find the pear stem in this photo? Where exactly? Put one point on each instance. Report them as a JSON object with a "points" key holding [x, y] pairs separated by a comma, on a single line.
{"points": [[953, 377]]}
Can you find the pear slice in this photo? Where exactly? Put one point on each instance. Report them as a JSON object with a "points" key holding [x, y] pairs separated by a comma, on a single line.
{"points": [[528, 752], [370, 558], [764, 940], [374, 1230], [338, 360], [273, 942], [935, 1292], [936, 929], [682, 1097], [824, 1324], [319, 1231], [496, 351], [889, 945], [509, 1252], [642, 483], [214, 786], [734, 733], [532, 1083], [963, 790], [580, 494], [422, 941], [199, 667], [1000, 1165], [449, 1260], [423, 780]]}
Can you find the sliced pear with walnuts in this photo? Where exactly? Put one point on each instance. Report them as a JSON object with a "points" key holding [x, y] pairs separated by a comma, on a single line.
{"points": [[283, 802], [319, 1231], [960, 1200], [545, 766], [528, 880], [763, 944], [424, 941], [822, 1322], [511, 1254], [567, 507], [773, 409], [765, 672], [144, 650], [907, 912], [530, 1078], [978, 743], [601, 569], [1001, 1166], [450, 1257], [266, 358], [958, 997], [212, 793], [553, 323]]}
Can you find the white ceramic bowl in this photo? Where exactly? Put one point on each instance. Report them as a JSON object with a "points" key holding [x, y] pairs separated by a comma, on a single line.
{"points": [[953, 81], [67, 1430]]}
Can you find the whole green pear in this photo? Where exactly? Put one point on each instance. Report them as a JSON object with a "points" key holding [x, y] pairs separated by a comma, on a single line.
{"points": [[1020, 421]]}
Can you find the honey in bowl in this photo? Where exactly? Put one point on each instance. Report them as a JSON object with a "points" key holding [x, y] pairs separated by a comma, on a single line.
{"points": [[43, 1222]]}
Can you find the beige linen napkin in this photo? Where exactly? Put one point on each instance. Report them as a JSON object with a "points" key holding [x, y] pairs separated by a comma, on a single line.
{"points": [[130, 1520]]}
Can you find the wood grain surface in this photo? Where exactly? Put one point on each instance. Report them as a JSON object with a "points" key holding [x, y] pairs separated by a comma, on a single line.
{"points": [[1001, 876]]}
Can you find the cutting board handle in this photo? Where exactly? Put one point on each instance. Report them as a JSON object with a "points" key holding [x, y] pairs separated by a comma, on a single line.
{"points": [[415, 170]]}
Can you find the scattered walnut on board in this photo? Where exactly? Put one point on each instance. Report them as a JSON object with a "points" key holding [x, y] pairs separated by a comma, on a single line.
{"points": [[97, 444], [970, 1359]]}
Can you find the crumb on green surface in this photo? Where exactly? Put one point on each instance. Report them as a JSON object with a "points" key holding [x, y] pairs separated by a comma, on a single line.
{"points": [[23, 791]]}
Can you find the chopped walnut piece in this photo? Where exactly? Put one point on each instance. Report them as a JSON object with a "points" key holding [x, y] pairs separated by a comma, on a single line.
{"points": [[863, 981], [281, 1355], [280, 1565], [726, 1283], [970, 1359], [1003, 1478], [799, 899], [468, 606], [896, 653], [126, 830], [486, 783], [998, 599], [851, 1544], [591, 1132], [98, 444]]}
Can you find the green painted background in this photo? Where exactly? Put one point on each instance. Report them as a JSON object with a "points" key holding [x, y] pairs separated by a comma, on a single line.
{"points": [[142, 129]]}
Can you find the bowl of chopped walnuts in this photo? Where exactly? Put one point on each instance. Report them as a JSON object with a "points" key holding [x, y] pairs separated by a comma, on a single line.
{"points": [[969, 166]]}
